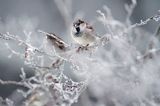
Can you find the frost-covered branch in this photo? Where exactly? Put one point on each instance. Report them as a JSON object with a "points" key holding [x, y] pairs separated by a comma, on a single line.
{"points": [[12, 83], [129, 9], [143, 22]]}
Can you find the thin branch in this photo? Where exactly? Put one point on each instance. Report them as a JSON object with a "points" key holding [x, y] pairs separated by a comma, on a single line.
{"points": [[13, 83], [8, 36], [143, 22], [130, 9], [4, 37], [157, 34], [104, 21], [149, 52]]}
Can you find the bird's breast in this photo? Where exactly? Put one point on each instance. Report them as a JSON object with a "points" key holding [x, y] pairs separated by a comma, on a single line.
{"points": [[84, 39]]}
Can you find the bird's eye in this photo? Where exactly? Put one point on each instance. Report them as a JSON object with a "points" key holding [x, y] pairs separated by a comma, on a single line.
{"points": [[74, 25]]}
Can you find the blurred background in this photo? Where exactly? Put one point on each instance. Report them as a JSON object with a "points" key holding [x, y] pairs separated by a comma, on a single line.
{"points": [[31, 15]]}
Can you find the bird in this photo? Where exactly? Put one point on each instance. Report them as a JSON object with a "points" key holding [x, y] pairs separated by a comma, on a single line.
{"points": [[83, 33]]}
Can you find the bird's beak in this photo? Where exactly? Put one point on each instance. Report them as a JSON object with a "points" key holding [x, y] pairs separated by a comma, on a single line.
{"points": [[77, 29]]}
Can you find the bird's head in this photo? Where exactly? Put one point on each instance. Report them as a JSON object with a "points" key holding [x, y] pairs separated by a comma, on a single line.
{"points": [[78, 27]]}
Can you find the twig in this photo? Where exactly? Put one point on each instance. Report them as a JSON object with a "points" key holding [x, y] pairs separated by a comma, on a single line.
{"points": [[151, 51], [130, 9], [13, 83], [157, 34], [143, 22], [107, 27], [21, 42]]}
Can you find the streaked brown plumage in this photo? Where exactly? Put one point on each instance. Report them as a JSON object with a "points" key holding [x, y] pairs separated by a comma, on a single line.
{"points": [[57, 42]]}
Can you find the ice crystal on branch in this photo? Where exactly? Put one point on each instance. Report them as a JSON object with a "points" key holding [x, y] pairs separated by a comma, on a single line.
{"points": [[6, 102]]}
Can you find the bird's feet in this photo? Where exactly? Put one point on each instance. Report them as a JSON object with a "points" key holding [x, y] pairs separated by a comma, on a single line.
{"points": [[82, 48]]}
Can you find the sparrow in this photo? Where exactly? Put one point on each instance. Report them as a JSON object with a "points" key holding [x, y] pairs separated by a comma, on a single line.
{"points": [[83, 33]]}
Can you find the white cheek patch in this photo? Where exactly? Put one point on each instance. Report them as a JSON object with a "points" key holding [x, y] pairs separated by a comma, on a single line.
{"points": [[82, 27]]}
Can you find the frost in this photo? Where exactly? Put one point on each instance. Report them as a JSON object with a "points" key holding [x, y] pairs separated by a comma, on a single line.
{"points": [[6, 102], [120, 69]]}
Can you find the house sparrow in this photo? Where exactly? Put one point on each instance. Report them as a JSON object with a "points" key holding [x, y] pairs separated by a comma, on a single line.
{"points": [[83, 33]]}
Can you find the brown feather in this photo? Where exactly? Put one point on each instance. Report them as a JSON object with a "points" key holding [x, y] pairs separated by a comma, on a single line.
{"points": [[56, 41]]}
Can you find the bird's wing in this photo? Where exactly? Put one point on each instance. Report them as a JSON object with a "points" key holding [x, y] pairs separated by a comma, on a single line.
{"points": [[57, 41], [90, 27]]}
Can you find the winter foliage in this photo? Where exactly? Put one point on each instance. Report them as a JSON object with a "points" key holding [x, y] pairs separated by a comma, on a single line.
{"points": [[121, 69]]}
